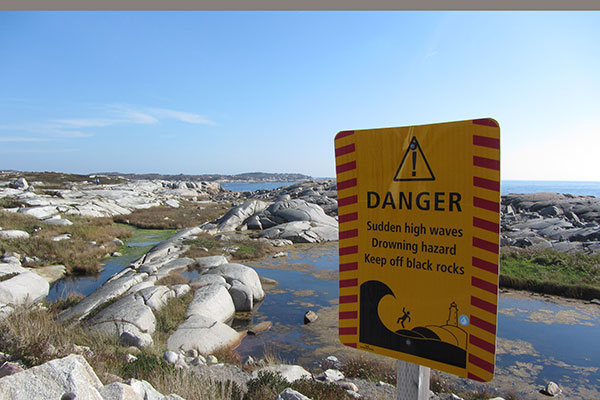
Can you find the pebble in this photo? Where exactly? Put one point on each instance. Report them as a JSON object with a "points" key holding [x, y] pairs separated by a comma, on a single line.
{"points": [[171, 357], [211, 360]]}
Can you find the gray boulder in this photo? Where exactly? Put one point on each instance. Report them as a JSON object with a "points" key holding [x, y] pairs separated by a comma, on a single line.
{"points": [[19, 183], [129, 318], [241, 295], [242, 273], [203, 334], [23, 288], [211, 261], [290, 373], [209, 279], [213, 302], [119, 391], [13, 234], [291, 394], [301, 232], [112, 289], [57, 220], [55, 378], [156, 297], [236, 217], [39, 212]]}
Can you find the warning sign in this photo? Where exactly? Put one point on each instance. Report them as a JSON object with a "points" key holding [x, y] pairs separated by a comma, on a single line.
{"points": [[419, 234], [414, 165]]}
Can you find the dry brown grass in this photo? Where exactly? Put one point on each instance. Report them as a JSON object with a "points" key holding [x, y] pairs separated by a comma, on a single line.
{"points": [[174, 278], [34, 337], [78, 254], [189, 214], [59, 180]]}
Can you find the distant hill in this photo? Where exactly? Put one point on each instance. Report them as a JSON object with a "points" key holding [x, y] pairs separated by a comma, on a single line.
{"points": [[245, 177]]}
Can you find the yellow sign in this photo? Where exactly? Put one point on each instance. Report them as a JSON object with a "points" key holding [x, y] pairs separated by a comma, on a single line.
{"points": [[419, 239]]}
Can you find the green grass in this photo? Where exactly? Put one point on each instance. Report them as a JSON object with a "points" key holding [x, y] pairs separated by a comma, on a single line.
{"points": [[574, 275], [248, 249], [9, 202], [170, 317]]}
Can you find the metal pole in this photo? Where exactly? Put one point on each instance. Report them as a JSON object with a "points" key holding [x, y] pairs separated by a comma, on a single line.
{"points": [[412, 381]]}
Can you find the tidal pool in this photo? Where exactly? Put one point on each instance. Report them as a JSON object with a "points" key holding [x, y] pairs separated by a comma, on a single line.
{"points": [[540, 338], [138, 244]]}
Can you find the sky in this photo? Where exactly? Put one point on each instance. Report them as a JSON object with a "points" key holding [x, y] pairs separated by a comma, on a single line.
{"points": [[243, 91]]}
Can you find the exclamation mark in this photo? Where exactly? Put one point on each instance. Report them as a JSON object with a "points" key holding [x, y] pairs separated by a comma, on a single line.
{"points": [[414, 159]]}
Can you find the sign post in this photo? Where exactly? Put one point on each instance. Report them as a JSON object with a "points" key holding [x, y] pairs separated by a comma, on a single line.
{"points": [[419, 244]]}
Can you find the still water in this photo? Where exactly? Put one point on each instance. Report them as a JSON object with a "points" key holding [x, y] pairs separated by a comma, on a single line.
{"points": [[540, 338], [138, 244]]}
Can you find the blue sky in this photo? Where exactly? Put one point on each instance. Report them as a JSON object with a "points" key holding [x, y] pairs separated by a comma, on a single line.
{"points": [[232, 92]]}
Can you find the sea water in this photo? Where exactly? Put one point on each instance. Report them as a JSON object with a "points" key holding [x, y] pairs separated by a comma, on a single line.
{"points": [[579, 188]]}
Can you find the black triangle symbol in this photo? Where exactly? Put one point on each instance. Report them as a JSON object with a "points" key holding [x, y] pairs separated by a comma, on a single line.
{"points": [[414, 165]]}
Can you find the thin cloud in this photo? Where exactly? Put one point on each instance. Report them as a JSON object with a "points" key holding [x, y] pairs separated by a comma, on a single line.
{"points": [[188, 117], [131, 115], [117, 114], [44, 132], [19, 139], [86, 122]]}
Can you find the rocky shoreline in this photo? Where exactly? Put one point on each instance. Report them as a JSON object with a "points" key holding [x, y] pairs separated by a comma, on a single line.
{"points": [[125, 306]]}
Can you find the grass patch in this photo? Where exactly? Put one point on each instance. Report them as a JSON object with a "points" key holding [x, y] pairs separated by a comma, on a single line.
{"points": [[170, 317], [189, 214], [438, 385], [8, 276], [173, 278], [375, 371], [575, 275], [78, 254], [269, 384], [252, 250], [145, 365], [68, 301], [247, 249], [35, 337], [9, 202], [58, 180]]}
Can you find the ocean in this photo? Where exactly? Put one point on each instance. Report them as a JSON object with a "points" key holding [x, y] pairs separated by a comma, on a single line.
{"points": [[580, 188]]}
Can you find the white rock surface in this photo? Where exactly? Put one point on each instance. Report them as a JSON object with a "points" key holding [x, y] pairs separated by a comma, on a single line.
{"points": [[242, 273], [291, 394], [13, 234], [113, 288], [50, 273], [53, 379], [129, 318], [203, 334], [209, 279], [213, 302], [241, 296], [119, 391], [24, 288], [290, 373], [211, 261]]}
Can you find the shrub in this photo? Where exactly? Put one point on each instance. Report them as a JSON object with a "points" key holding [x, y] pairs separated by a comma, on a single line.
{"points": [[359, 367], [320, 390], [267, 385]]}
